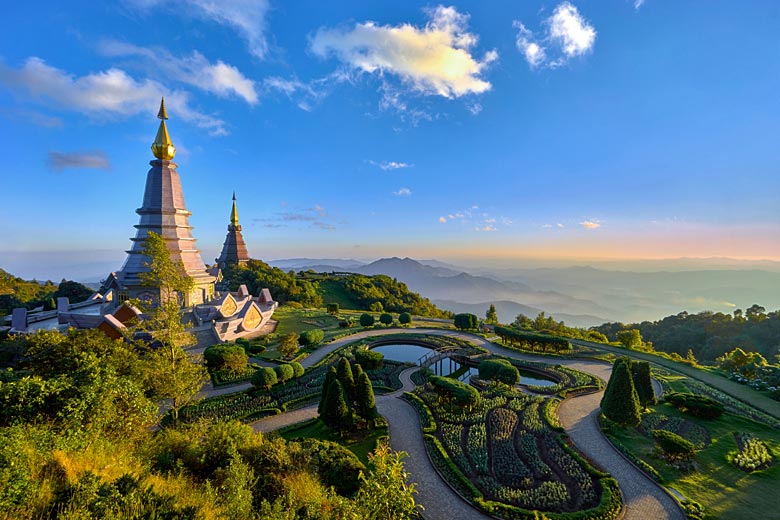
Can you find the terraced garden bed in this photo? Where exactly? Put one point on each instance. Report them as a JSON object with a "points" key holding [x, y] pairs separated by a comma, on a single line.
{"points": [[510, 461]]}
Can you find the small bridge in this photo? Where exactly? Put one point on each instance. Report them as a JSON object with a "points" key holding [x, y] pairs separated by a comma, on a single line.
{"points": [[453, 354]]}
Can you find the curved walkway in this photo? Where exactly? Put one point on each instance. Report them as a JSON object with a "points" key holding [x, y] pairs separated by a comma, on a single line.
{"points": [[644, 499]]}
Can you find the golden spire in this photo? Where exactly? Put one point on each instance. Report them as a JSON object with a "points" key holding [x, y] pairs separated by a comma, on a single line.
{"points": [[162, 147], [234, 212]]}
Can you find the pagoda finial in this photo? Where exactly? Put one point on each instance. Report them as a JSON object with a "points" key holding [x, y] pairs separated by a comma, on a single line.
{"points": [[162, 147], [234, 212]]}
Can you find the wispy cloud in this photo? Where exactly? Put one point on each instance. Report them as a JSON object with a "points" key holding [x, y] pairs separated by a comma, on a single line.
{"points": [[59, 161], [316, 217], [403, 192], [590, 224], [638, 4], [478, 220], [390, 165], [109, 93], [436, 59], [246, 17], [217, 78], [567, 34]]}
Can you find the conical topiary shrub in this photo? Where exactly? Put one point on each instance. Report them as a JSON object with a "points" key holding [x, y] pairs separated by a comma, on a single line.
{"points": [[620, 402]]}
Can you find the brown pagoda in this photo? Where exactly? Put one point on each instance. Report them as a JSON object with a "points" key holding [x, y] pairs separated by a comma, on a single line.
{"points": [[163, 212], [234, 250]]}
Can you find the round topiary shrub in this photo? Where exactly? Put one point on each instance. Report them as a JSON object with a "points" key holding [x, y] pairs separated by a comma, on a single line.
{"points": [[312, 337], [298, 369], [284, 373], [228, 357], [404, 318], [264, 378], [386, 319], [369, 359], [366, 320]]}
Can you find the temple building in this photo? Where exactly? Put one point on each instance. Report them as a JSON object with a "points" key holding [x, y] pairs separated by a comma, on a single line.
{"points": [[234, 249], [213, 315], [163, 212]]}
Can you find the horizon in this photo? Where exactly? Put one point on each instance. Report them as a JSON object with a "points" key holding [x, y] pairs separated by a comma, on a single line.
{"points": [[605, 147]]}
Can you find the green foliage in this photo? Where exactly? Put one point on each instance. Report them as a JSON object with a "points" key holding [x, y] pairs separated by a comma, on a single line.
{"points": [[346, 378], [288, 347], [284, 372], [265, 378], [532, 340], [336, 465], [385, 493], [285, 287], [298, 369], [365, 402], [708, 334], [386, 319], [335, 411], [620, 402], [228, 357], [369, 359], [696, 405], [674, 446], [499, 371], [333, 308], [747, 364], [405, 318], [752, 454], [330, 376], [16, 292], [310, 338], [466, 321], [643, 383], [393, 296], [455, 392], [491, 316], [366, 320], [630, 339]]}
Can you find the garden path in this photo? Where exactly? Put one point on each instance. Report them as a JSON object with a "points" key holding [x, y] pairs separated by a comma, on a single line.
{"points": [[643, 497]]}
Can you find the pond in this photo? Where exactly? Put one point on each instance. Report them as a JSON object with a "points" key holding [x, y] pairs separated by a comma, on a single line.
{"points": [[534, 379], [411, 353]]}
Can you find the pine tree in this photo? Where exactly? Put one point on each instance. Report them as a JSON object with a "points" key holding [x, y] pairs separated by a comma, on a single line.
{"points": [[329, 378], [640, 373], [346, 378], [365, 402], [491, 316], [620, 402], [336, 412]]}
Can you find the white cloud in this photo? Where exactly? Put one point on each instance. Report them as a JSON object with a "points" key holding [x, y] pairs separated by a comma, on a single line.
{"points": [[59, 161], [559, 225], [217, 78], [390, 165], [547, 226], [403, 192], [247, 17], [111, 92], [485, 228], [572, 32], [443, 220], [638, 3], [566, 35], [590, 224], [434, 60]]}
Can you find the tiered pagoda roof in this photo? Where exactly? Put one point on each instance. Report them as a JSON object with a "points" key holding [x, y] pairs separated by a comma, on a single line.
{"points": [[234, 250]]}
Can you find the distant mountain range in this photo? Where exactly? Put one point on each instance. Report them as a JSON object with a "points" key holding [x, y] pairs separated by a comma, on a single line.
{"points": [[579, 295]]}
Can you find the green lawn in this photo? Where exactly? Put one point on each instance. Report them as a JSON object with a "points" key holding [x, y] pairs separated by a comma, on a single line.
{"points": [[724, 490], [361, 444]]}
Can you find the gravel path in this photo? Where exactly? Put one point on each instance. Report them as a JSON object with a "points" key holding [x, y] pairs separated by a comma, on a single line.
{"points": [[644, 499]]}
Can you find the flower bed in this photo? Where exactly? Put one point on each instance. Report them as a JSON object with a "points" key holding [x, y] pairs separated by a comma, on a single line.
{"points": [[752, 454], [506, 457]]}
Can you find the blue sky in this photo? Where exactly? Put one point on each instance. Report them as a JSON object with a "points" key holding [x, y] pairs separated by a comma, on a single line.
{"points": [[501, 129]]}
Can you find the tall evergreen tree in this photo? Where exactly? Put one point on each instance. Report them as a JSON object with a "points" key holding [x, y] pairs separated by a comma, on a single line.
{"points": [[491, 316], [329, 378], [365, 404], [336, 412], [346, 378], [640, 372], [620, 402]]}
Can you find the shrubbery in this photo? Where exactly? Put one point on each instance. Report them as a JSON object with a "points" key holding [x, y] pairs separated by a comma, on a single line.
{"points": [[532, 340], [696, 405], [369, 359], [366, 320], [466, 321], [226, 357], [312, 337], [453, 391], [499, 371], [674, 446]]}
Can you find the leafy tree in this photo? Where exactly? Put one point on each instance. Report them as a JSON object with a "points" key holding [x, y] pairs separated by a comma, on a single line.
{"points": [[405, 318], [523, 322], [265, 377], [284, 373], [330, 376], [620, 402], [346, 378], [298, 369], [365, 402], [73, 291], [312, 337], [385, 493], [171, 372], [465, 321], [631, 339], [376, 307], [289, 345], [640, 372], [333, 308], [386, 319], [226, 357], [336, 412], [491, 316], [366, 320]]}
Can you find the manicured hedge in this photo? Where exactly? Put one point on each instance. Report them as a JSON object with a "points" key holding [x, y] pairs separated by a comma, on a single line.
{"points": [[672, 444], [312, 337], [532, 340], [454, 391], [499, 370], [426, 417], [696, 405], [369, 359]]}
